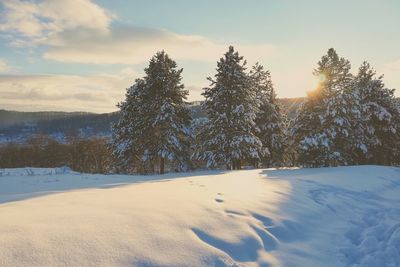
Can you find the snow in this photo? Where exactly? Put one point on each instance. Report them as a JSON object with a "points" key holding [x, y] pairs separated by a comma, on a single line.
{"points": [[344, 216]]}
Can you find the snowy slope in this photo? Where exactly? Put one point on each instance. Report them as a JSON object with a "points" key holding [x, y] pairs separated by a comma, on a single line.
{"points": [[347, 216]]}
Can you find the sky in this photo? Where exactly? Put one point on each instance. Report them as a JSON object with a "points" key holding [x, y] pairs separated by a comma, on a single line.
{"points": [[81, 55]]}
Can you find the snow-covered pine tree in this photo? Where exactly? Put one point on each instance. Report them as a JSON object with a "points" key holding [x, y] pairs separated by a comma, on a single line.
{"points": [[269, 119], [396, 147], [199, 130], [155, 123], [231, 105], [378, 127], [323, 126], [127, 142], [307, 144]]}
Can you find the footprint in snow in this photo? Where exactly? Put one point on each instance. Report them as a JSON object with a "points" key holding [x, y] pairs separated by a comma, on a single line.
{"points": [[234, 213]]}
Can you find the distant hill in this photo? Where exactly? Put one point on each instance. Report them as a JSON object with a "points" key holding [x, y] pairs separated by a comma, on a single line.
{"points": [[10, 118], [56, 124], [16, 126]]}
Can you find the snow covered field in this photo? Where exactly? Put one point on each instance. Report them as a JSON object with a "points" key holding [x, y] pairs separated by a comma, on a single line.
{"points": [[345, 216]]}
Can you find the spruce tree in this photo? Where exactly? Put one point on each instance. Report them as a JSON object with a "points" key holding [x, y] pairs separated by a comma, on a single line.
{"points": [[378, 127], [323, 126], [128, 133], [269, 119], [154, 127], [231, 106]]}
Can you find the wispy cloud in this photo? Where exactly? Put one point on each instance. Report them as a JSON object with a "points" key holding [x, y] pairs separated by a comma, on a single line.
{"points": [[80, 31], [131, 45], [32, 21], [96, 93]]}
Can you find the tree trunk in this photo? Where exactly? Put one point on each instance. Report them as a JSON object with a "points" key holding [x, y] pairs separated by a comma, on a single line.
{"points": [[162, 165], [255, 163], [239, 164]]}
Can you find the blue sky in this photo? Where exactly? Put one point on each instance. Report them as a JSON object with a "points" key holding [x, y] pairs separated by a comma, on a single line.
{"points": [[81, 54]]}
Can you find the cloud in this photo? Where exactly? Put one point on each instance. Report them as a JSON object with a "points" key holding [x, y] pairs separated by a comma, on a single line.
{"points": [[4, 66], [131, 45], [96, 93], [79, 31], [36, 21]]}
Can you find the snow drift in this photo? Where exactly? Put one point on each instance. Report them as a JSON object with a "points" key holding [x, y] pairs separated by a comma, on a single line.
{"points": [[345, 216]]}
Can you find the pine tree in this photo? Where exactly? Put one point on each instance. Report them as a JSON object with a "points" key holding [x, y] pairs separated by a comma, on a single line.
{"points": [[269, 119], [199, 130], [128, 133], [154, 127], [323, 126], [378, 128], [231, 105]]}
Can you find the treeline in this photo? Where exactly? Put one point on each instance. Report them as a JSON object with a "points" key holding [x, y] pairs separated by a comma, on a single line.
{"points": [[348, 119], [83, 155]]}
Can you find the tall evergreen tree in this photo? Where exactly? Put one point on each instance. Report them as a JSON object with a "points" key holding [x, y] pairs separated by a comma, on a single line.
{"points": [[154, 125], [128, 134], [269, 119], [231, 106], [378, 127], [323, 126]]}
